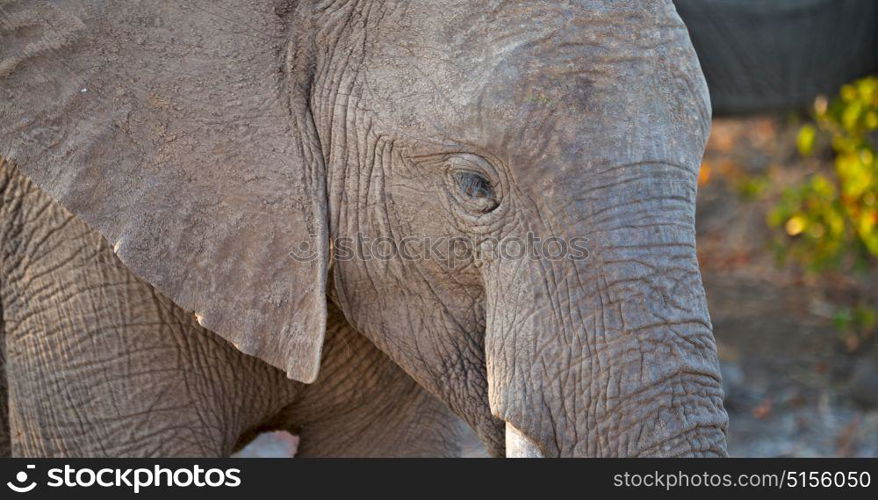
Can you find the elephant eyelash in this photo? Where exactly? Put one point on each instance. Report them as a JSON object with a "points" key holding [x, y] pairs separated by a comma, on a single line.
{"points": [[474, 191], [474, 185], [471, 181]]}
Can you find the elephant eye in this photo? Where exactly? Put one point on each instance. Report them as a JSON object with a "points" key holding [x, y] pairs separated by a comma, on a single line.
{"points": [[473, 185], [475, 191], [472, 182]]}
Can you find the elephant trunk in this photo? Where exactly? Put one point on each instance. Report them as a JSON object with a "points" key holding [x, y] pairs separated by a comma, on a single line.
{"points": [[611, 354]]}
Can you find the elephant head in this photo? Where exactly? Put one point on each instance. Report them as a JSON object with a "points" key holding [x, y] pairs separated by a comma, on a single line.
{"points": [[245, 159]]}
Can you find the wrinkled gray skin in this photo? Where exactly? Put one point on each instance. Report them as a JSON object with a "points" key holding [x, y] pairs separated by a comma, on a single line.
{"points": [[99, 364], [206, 146]]}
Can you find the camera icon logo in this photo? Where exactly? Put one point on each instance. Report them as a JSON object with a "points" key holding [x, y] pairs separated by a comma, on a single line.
{"points": [[19, 485]]}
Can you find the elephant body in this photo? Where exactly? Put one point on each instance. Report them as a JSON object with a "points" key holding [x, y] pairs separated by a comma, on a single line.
{"points": [[222, 170], [99, 364]]}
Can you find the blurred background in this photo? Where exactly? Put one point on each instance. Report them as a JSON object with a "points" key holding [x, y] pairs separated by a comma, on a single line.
{"points": [[787, 223], [788, 220]]}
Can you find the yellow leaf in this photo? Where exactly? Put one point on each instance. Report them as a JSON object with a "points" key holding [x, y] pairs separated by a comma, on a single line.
{"points": [[805, 140], [795, 225]]}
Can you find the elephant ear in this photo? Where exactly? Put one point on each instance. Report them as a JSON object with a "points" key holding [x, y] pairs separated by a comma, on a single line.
{"points": [[181, 132]]}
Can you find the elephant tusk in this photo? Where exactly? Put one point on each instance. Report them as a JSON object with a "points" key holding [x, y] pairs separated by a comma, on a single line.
{"points": [[520, 446], [331, 253]]}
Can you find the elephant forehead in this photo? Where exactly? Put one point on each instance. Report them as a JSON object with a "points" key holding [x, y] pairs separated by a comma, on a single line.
{"points": [[528, 78]]}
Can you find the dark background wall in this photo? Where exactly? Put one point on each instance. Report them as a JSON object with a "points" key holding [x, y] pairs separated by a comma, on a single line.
{"points": [[763, 55]]}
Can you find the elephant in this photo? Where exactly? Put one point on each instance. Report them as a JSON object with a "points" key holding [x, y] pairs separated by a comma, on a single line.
{"points": [[196, 199]]}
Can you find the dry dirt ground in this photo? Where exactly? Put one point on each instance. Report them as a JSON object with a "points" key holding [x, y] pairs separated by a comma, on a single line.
{"points": [[795, 385]]}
